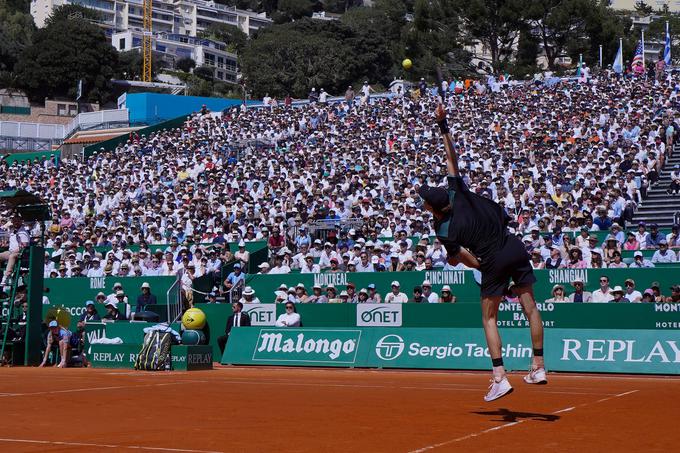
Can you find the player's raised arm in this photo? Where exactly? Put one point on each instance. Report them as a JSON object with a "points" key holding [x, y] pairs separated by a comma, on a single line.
{"points": [[451, 157]]}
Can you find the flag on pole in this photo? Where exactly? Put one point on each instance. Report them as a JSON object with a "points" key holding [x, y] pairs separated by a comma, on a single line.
{"points": [[667, 48], [638, 59], [618, 61]]}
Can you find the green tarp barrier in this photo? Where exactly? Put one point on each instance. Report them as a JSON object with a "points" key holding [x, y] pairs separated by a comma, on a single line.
{"points": [[29, 157], [583, 350], [463, 283], [73, 292], [111, 144]]}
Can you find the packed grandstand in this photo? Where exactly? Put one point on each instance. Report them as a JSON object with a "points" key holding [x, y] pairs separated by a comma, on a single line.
{"points": [[331, 186]]}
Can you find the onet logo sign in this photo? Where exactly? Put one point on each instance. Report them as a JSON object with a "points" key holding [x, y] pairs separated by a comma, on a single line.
{"points": [[379, 315], [261, 314], [389, 347]]}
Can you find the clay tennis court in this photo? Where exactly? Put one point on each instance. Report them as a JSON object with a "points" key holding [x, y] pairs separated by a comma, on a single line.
{"points": [[232, 409]]}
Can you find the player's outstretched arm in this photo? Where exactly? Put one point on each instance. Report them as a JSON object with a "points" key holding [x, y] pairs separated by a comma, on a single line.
{"points": [[451, 157]]}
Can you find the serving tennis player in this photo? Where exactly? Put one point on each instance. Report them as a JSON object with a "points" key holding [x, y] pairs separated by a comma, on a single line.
{"points": [[473, 229]]}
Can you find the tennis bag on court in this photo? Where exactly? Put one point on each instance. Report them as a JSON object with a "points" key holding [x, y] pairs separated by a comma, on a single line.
{"points": [[155, 353]]}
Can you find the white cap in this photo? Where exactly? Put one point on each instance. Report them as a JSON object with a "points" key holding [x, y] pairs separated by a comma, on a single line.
{"points": [[395, 283], [146, 285], [248, 291], [263, 265], [446, 288], [426, 283]]}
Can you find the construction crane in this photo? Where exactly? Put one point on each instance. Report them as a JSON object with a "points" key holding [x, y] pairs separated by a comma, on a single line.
{"points": [[146, 41]]}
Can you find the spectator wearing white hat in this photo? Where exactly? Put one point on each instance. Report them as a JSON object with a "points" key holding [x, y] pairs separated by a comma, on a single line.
{"points": [[242, 254], [113, 297], [264, 268], [112, 312], [316, 295], [396, 296], [579, 295], [146, 298], [558, 294], [447, 296], [248, 296], [428, 294], [95, 270], [618, 295], [326, 255], [300, 294], [639, 261]]}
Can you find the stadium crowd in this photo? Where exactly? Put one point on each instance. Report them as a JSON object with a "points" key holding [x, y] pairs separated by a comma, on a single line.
{"points": [[565, 161]]}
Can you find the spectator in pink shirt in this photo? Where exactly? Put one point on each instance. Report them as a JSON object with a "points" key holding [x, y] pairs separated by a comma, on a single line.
{"points": [[631, 243]]}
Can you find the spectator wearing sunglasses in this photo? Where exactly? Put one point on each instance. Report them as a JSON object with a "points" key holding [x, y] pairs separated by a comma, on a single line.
{"points": [[579, 295], [604, 293], [290, 318]]}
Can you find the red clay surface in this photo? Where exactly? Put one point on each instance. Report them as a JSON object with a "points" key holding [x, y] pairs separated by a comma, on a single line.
{"points": [[232, 409]]}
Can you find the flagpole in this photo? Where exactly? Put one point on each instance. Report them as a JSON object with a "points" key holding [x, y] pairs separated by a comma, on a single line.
{"points": [[643, 49], [668, 38], [600, 56]]}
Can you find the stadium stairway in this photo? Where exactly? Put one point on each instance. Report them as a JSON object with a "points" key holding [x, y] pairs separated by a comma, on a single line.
{"points": [[659, 207]]}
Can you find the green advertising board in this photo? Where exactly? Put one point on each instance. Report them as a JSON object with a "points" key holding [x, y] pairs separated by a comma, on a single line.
{"points": [[587, 350], [463, 283], [73, 292], [184, 358]]}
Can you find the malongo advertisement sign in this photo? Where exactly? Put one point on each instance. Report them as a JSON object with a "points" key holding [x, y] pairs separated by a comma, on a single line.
{"points": [[611, 351], [306, 346]]}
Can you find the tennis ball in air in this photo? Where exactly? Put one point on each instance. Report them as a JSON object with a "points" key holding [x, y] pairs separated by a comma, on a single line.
{"points": [[406, 64]]}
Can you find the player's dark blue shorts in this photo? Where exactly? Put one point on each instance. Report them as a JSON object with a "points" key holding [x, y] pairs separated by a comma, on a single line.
{"points": [[510, 262]]}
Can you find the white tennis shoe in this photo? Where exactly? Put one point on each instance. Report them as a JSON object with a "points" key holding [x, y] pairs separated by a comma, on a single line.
{"points": [[536, 376], [498, 389]]}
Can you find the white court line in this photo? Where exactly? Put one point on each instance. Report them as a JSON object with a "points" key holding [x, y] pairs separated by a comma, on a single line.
{"points": [[90, 389], [565, 410], [507, 425], [85, 444], [468, 436], [616, 396]]}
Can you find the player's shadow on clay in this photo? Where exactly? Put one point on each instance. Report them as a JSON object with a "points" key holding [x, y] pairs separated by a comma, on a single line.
{"points": [[506, 415]]}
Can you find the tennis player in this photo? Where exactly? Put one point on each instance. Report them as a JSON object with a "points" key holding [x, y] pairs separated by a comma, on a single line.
{"points": [[473, 229]]}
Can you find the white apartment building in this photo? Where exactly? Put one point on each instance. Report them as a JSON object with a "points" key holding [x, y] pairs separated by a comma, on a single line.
{"points": [[629, 5], [186, 17], [173, 47]]}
